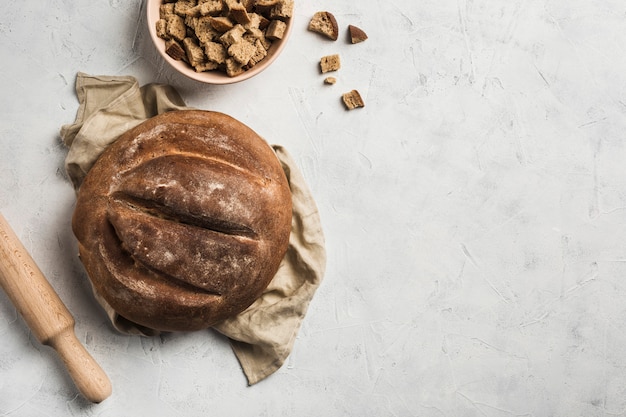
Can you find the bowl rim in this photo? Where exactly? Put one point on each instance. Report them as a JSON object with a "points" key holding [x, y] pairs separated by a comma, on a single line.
{"points": [[210, 77]]}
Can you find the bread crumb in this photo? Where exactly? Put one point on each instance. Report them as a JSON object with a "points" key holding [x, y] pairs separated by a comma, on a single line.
{"points": [[357, 35], [325, 24], [353, 100], [330, 80], [330, 63]]}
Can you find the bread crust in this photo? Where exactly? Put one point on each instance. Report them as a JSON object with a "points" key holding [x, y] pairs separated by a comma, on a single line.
{"points": [[183, 221]]}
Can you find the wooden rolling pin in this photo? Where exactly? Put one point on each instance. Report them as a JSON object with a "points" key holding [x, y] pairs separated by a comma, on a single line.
{"points": [[46, 315]]}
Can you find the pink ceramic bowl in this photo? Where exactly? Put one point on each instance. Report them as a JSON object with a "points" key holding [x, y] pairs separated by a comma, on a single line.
{"points": [[211, 77]]}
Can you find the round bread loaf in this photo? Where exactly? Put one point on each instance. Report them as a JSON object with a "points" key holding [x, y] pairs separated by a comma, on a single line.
{"points": [[183, 221]]}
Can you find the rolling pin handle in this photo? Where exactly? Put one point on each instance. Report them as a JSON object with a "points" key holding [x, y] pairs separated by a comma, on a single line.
{"points": [[89, 378]]}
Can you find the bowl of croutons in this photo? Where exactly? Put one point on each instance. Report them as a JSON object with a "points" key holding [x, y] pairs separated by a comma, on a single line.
{"points": [[219, 41]]}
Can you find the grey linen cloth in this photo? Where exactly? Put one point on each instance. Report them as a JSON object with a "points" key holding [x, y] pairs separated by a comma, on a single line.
{"points": [[262, 336]]}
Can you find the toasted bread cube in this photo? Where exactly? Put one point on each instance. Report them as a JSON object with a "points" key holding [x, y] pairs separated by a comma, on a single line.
{"points": [[210, 7], [173, 49], [276, 30], [221, 23], [352, 100], [325, 24], [330, 63], [357, 35], [206, 66], [232, 36], [256, 21], [161, 29], [283, 10], [237, 11], [184, 7], [260, 53], [233, 68], [176, 27], [215, 52], [166, 10], [264, 6], [203, 29], [195, 54], [249, 5], [242, 51]]}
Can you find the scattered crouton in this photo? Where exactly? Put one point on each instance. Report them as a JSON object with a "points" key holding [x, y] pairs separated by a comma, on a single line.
{"points": [[330, 63], [325, 24], [357, 35], [352, 100]]}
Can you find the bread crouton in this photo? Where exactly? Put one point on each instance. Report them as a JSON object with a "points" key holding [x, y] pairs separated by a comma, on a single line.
{"points": [[161, 29], [221, 23], [264, 6], [242, 51], [325, 24], [276, 30], [283, 10], [261, 52], [357, 35], [206, 66], [215, 52], [237, 11], [330, 63], [173, 49], [352, 100], [195, 54], [210, 7], [203, 29], [166, 10], [232, 36], [176, 27], [184, 7], [233, 68]]}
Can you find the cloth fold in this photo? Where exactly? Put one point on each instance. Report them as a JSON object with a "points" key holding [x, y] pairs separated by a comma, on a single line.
{"points": [[262, 336]]}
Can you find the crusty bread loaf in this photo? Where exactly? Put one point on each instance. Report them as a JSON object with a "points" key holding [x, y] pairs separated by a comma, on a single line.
{"points": [[184, 220]]}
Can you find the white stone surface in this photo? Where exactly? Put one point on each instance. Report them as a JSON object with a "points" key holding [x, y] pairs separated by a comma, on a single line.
{"points": [[474, 211]]}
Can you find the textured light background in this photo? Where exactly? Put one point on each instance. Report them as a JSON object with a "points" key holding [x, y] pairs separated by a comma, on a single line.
{"points": [[474, 211]]}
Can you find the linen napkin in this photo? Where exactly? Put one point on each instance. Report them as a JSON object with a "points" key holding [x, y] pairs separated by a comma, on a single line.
{"points": [[262, 336]]}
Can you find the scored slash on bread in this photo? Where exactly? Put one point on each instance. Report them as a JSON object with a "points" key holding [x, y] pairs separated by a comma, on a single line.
{"points": [[184, 220], [325, 24]]}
